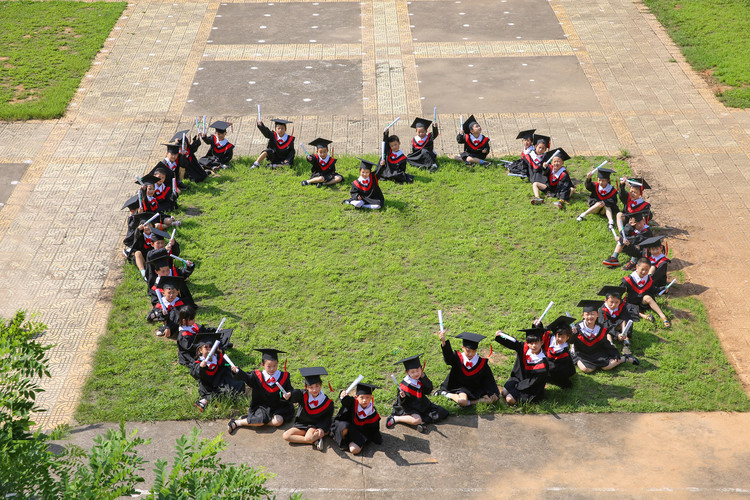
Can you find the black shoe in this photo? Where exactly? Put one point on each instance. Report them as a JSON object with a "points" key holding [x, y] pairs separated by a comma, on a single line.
{"points": [[305, 183], [632, 359], [390, 422], [201, 404], [421, 429], [319, 185]]}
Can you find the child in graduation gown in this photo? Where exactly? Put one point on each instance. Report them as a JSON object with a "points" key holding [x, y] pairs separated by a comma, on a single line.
{"points": [[213, 375], [141, 241], [365, 192], [357, 422], [267, 406], [641, 290], [187, 163], [592, 348], [560, 185], [655, 253], [221, 151], [529, 375], [392, 166], [555, 343], [520, 167], [603, 196], [423, 145], [170, 163], [191, 333], [166, 311], [629, 241], [537, 170], [163, 192], [631, 196], [315, 412], [476, 144], [412, 407], [615, 314], [280, 148], [470, 379], [323, 165]]}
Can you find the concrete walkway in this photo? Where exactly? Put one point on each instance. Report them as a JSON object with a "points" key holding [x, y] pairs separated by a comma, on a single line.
{"points": [[678, 455], [61, 226]]}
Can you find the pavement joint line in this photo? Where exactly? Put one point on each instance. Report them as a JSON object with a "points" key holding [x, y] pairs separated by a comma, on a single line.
{"points": [[283, 52], [494, 48]]}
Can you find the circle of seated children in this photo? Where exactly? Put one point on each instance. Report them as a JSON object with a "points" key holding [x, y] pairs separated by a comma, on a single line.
{"points": [[549, 354]]}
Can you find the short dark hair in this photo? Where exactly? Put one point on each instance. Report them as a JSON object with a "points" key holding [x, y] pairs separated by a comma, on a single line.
{"points": [[643, 260], [393, 138], [186, 313]]}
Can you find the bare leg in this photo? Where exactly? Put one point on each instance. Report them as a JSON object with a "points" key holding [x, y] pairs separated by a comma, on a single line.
{"points": [[608, 212], [336, 179], [653, 305], [460, 399], [584, 368], [592, 209], [536, 187], [261, 157], [614, 363], [276, 421], [414, 419], [140, 262]]}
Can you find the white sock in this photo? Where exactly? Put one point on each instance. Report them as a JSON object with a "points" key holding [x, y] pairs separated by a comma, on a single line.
{"points": [[372, 207], [357, 203], [143, 273]]}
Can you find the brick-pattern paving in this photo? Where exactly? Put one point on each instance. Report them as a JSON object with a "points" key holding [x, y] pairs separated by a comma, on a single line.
{"points": [[61, 228]]}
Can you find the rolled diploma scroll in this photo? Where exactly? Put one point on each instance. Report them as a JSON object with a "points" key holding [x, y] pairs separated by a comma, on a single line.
{"points": [[213, 350], [283, 392], [549, 306], [440, 319], [354, 384]]}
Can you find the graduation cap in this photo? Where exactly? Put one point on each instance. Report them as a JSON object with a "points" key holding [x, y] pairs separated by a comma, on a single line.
{"points": [[132, 203], [421, 122], [365, 165], [612, 291], [655, 241], [220, 126], [411, 362], [223, 336], [470, 340], [468, 123], [543, 138], [526, 134], [165, 282], [320, 143], [590, 305], [558, 153], [639, 182], [177, 137], [604, 173], [171, 148], [279, 121], [158, 257], [533, 334], [148, 179], [270, 354], [312, 375], [158, 235], [561, 323], [640, 215], [363, 388]]}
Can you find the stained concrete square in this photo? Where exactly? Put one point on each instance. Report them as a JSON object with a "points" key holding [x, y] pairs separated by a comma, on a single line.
{"points": [[483, 20], [294, 22], [280, 87], [10, 175], [505, 85]]}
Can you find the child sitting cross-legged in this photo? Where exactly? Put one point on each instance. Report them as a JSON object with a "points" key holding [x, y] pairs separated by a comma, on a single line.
{"points": [[470, 379], [315, 414], [213, 375], [412, 406], [529, 374]]}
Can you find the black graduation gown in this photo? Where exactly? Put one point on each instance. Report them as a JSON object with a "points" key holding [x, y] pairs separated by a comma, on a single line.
{"points": [[660, 274], [318, 417], [539, 173], [423, 152], [613, 321], [634, 238], [416, 401], [187, 161], [521, 166], [172, 171], [170, 315], [395, 165], [361, 429], [216, 380], [216, 155], [266, 400], [560, 187], [167, 199], [635, 292], [527, 379], [561, 366], [474, 148], [279, 151], [630, 206], [475, 382], [594, 352], [186, 341], [609, 198], [369, 193], [327, 170]]}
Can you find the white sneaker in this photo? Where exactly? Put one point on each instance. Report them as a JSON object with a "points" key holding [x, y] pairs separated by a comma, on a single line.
{"points": [[579, 218], [176, 223]]}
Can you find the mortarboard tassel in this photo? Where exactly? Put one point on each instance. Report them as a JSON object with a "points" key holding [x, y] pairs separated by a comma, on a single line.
{"points": [[285, 364], [490, 351], [292, 134], [330, 386]]}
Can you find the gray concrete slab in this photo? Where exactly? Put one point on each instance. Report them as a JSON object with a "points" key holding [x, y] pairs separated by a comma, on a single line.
{"points": [[505, 85], [294, 22], [10, 176], [281, 87], [540, 456], [482, 20]]}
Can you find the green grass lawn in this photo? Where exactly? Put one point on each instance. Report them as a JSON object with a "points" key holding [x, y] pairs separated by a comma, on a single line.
{"points": [[355, 291], [713, 38], [45, 49]]}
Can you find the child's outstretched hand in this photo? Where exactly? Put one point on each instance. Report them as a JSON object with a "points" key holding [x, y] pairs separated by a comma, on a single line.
{"points": [[309, 157], [287, 395], [588, 176], [203, 363], [441, 335], [260, 122], [235, 369], [343, 394], [402, 394], [485, 151], [382, 162]]}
